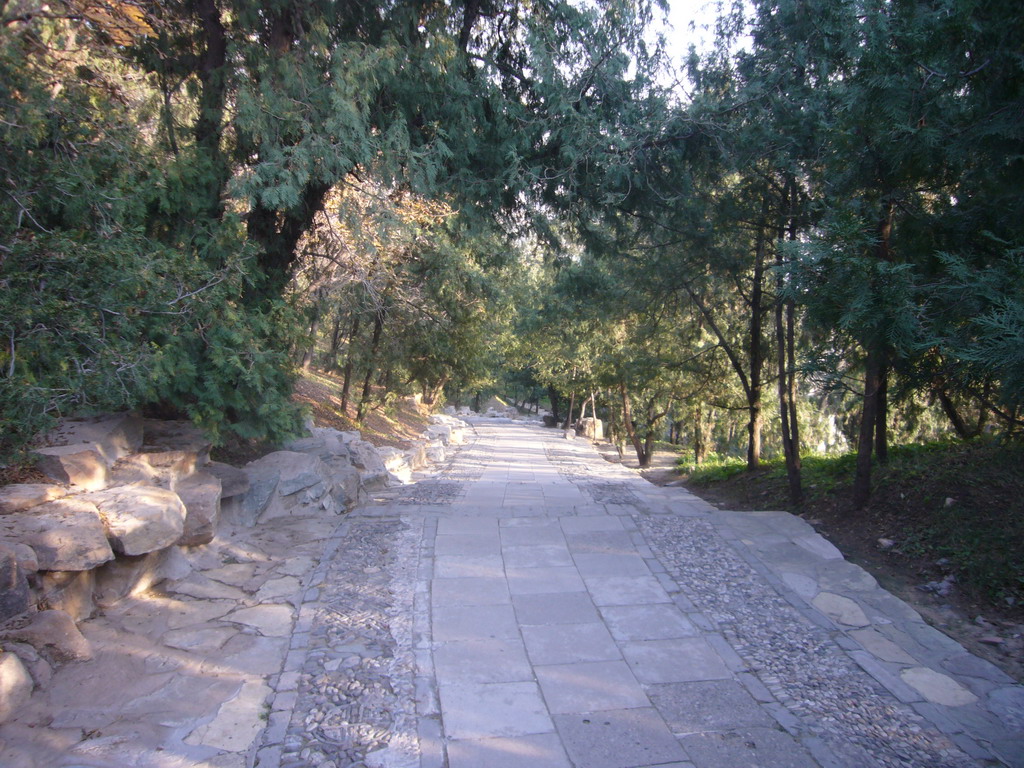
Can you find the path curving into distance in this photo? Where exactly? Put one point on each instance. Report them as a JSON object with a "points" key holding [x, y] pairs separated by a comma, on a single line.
{"points": [[533, 606]]}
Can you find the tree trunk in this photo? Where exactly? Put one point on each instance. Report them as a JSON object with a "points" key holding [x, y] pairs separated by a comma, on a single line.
{"points": [[554, 398], [277, 233], [701, 436], [314, 327], [212, 99], [949, 408], [785, 341], [378, 326], [332, 355], [882, 416], [572, 405], [349, 363], [794, 424], [756, 350], [868, 421], [432, 393], [648, 449], [627, 423], [872, 431]]}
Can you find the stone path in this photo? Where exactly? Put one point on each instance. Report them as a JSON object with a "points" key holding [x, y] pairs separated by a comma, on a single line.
{"points": [[549, 610], [527, 606]]}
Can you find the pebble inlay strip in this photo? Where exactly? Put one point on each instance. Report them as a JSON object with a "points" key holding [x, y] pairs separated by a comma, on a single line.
{"points": [[834, 699]]}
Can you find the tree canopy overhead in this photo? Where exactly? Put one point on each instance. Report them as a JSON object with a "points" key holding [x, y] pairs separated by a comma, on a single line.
{"points": [[813, 238]]}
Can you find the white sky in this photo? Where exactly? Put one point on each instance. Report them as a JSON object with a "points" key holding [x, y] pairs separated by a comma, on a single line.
{"points": [[682, 13]]}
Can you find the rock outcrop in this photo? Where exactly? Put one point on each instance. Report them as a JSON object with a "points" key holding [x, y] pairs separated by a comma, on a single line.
{"points": [[128, 493]]}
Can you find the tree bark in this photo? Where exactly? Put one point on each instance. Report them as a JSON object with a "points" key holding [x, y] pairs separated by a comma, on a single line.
{"points": [[701, 435], [756, 350], [277, 233], [212, 99], [554, 398], [868, 421], [627, 423], [314, 327], [882, 416], [949, 408], [349, 363], [785, 340], [872, 435], [794, 423], [378, 326], [332, 354]]}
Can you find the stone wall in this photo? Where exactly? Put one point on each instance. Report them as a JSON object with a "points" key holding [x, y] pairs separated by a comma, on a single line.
{"points": [[126, 493]]}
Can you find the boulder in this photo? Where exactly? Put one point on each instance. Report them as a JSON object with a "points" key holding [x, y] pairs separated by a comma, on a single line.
{"points": [[54, 635], [15, 598], [201, 494], [436, 452], [591, 428], [441, 432], [445, 418], [397, 464], [160, 468], [38, 667], [27, 558], [345, 478], [364, 456], [69, 591], [496, 404], [124, 576], [22, 496], [15, 686], [283, 472], [66, 535], [139, 518], [280, 483], [324, 443], [79, 466], [112, 436], [372, 472], [417, 456], [233, 481], [161, 436]]}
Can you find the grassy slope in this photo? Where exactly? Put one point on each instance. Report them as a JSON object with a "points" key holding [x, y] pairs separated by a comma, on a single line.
{"points": [[398, 424]]}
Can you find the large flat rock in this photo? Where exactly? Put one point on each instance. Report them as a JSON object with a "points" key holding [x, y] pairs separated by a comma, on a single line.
{"points": [[22, 496], [161, 468], [233, 481], [78, 465], [140, 518], [112, 436], [201, 495], [66, 535]]}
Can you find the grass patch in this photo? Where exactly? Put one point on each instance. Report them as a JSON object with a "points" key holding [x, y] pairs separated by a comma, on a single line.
{"points": [[950, 507]]}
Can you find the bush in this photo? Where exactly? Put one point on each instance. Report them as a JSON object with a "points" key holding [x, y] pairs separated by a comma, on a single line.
{"points": [[120, 323]]}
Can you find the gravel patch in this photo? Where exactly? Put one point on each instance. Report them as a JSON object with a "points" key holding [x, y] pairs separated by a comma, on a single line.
{"points": [[433, 492], [356, 703], [834, 699]]}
